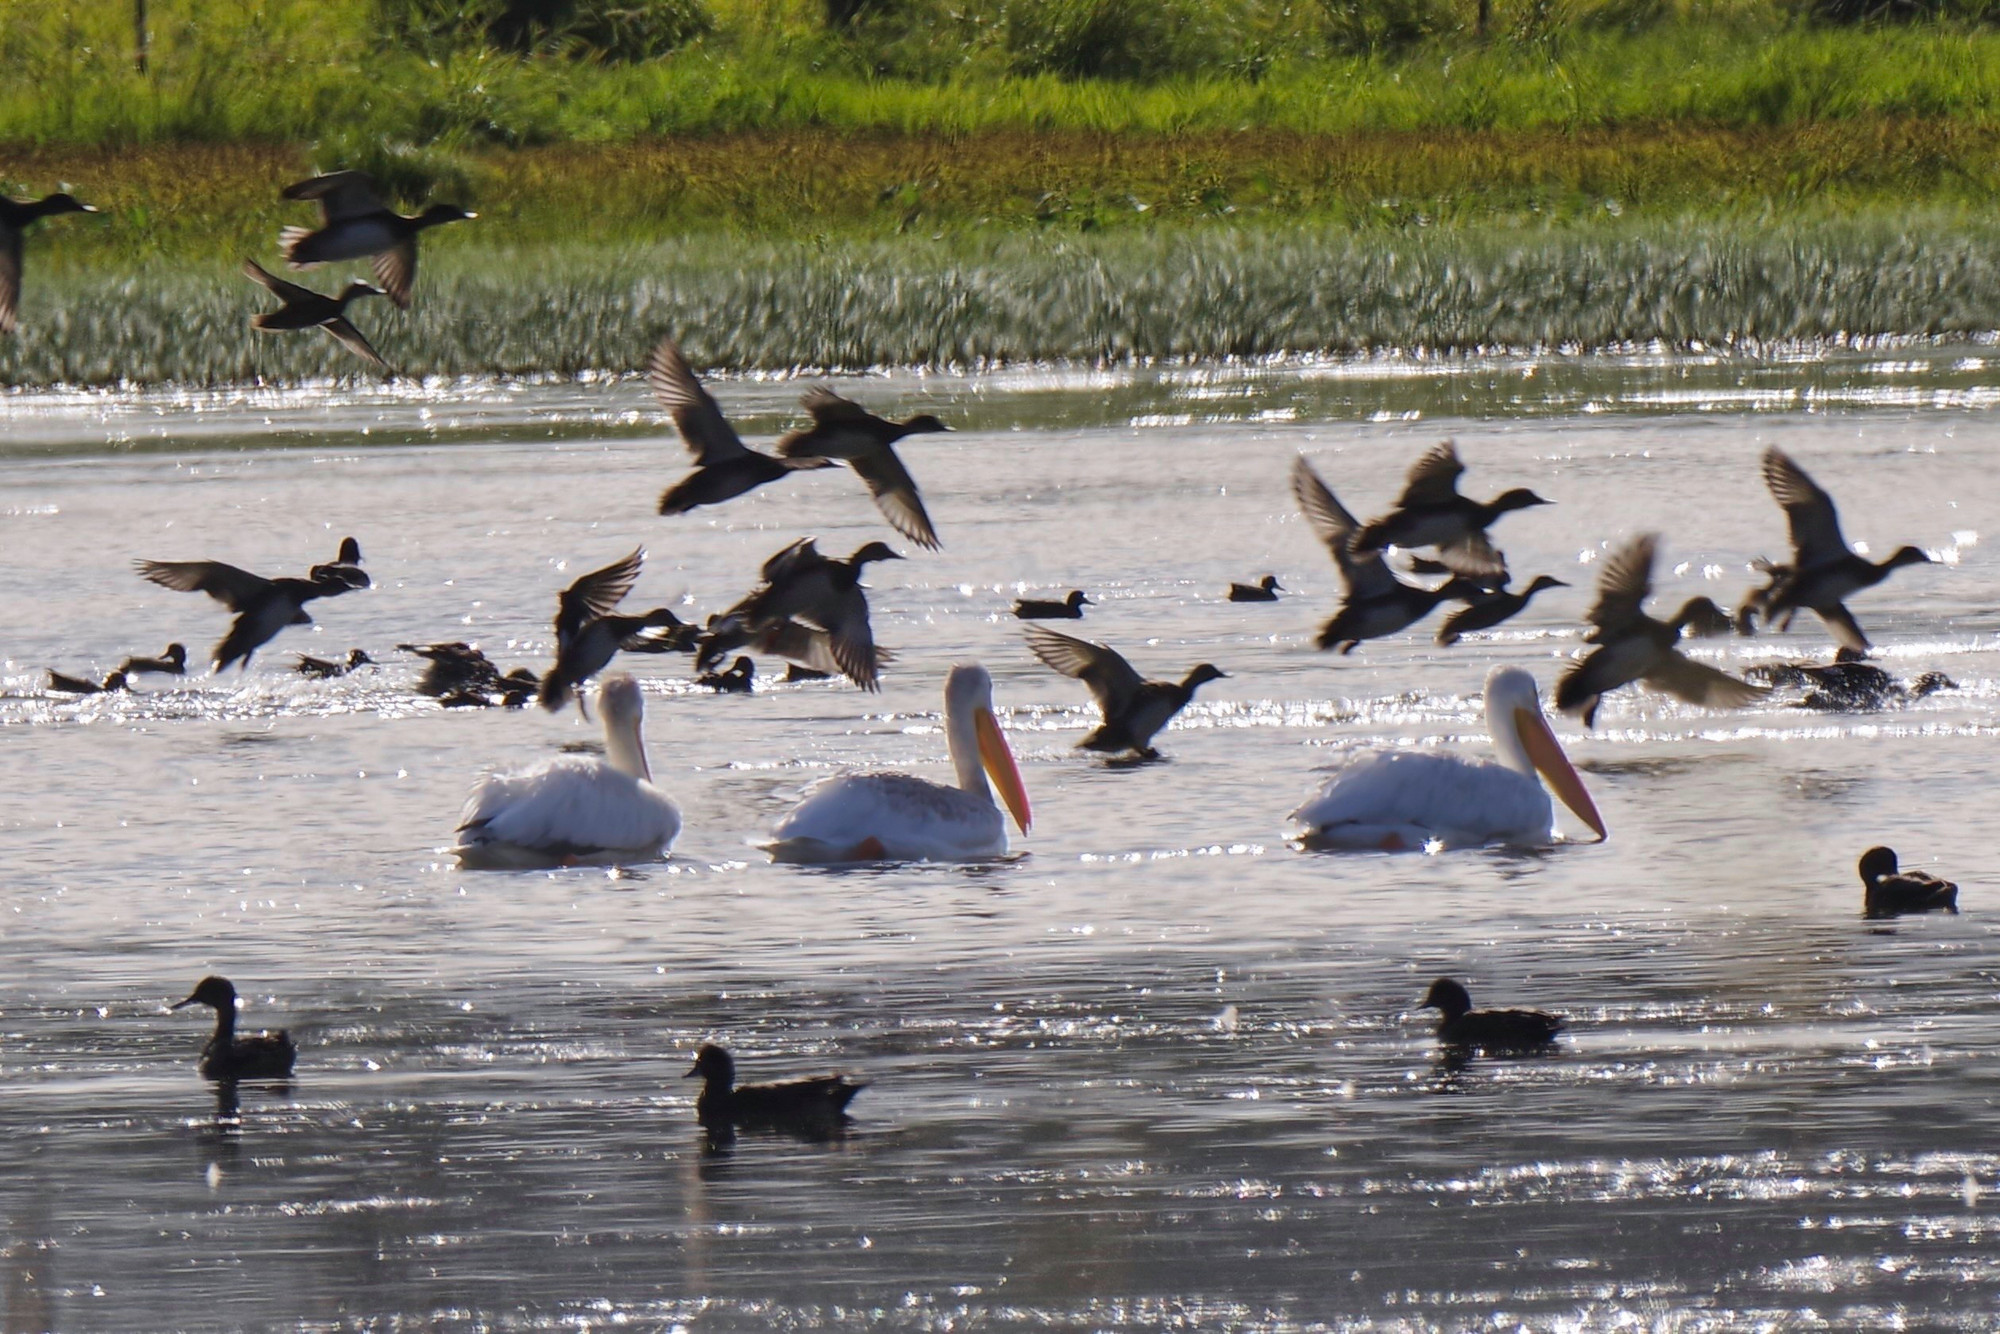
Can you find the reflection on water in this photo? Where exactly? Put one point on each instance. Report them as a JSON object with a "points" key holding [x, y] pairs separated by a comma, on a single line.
{"points": [[1159, 1068]]}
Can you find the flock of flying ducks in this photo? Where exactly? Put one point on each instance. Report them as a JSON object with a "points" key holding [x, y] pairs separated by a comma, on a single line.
{"points": [[812, 610]]}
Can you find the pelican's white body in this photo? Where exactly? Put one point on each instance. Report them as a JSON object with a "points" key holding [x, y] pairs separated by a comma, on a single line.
{"points": [[900, 817], [1406, 800], [574, 810]]}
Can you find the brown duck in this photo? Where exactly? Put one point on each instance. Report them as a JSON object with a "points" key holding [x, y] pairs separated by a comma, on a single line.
{"points": [[815, 1106]]}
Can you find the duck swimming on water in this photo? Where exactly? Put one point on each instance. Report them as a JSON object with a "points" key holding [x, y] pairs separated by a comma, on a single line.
{"points": [[725, 467], [866, 817], [738, 680], [1491, 1031], [815, 1106], [1264, 590], [171, 663], [1849, 684], [1042, 609], [1132, 707], [16, 215], [326, 669], [1431, 513], [1824, 570], [228, 1057], [844, 430], [77, 685], [1889, 892], [575, 809], [354, 222]]}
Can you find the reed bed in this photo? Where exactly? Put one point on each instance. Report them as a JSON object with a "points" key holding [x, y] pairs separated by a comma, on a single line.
{"points": [[745, 304]]}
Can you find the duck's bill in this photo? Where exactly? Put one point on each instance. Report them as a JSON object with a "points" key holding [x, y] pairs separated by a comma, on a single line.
{"points": [[1000, 767], [182, 1005], [1546, 754]]}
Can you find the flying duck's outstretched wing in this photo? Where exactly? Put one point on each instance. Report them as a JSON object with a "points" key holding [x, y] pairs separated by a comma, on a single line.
{"points": [[233, 588], [1433, 479], [706, 432], [1815, 524], [1113, 682], [1623, 586], [595, 594], [340, 195]]}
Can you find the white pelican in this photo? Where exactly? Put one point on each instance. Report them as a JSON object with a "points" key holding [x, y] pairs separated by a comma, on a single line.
{"points": [[574, 809], [1402, 800], [899, 817]]}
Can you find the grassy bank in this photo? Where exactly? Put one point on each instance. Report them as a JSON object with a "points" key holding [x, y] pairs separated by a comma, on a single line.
{"points": [[1195, 293]]}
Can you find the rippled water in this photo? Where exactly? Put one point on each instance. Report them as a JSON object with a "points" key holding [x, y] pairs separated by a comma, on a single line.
{"points": [[1161, 1069]]}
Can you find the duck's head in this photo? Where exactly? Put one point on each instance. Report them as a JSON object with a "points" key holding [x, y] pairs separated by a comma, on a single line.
{"points": [[350, 550], [924, 424], [713, 1064], [1907, 556], [743, 667], [63, 202], [357, 658], [874, 551], [442, 213], [1877, 863], [1077, 599], [214, 992], [1847, 655], [352, 291], [1519, 498], [1202, 673], [1448, 997], [115, 681], [1542, 581], [177, 654], [1269, 583]]}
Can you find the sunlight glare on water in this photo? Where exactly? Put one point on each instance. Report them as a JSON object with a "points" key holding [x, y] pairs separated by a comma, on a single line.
{"points": [[1159, 1069]]}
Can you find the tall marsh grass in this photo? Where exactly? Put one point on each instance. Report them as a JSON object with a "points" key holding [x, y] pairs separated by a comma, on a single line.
{"points": [[1240, 292]]}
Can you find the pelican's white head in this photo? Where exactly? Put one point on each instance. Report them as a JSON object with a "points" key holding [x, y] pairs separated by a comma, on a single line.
{"points": [[624, 710], [1525, 743], [977, 743]]}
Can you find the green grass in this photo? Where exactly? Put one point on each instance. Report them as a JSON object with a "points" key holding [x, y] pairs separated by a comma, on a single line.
{"points": [[1116, 297]]}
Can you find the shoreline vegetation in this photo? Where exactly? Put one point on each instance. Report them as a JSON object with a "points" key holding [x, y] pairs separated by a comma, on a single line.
{"points": [[848, 183]]}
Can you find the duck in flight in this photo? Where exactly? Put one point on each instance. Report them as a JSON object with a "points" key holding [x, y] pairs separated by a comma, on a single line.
{"points": [[355, 223], [1407, 800], [1633, 646], [227, 1057], [263, 606], [725, 467], [1045, 609], [173, 662], [575, 809], [1264, 590], [814, 1107], [16, 216], [1377, 602], [845, 431], [1488, 607], [1431, 513], [589, 630], [1490, 1031], [1889, 892], [1824, 571], [304, 308], [867, 817], [801, 585], [1133, 708]]}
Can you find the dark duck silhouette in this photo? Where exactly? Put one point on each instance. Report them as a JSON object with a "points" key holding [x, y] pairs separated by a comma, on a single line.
{"points": [[826, 594], [229, 1057], [1633, 646], [171, 663], [263, 606], [1045, 609], [807, 648], [1459, 1025], [845, 431], [77, 685], [589, 630], [460, 676], [813, 1107], [1824, 571], [1264, 590], [736, 681], [1133, 707], [1888, 892], [326, 669], [16, 216], [354, 223], [1486, 608], [1431, 513], [304, 308], [725, 467], [1848, 684], [1377, 602]]}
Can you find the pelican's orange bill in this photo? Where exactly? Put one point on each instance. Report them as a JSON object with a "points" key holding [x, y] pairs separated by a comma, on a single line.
{"points": [[1546, 754], [1000, 766]]}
